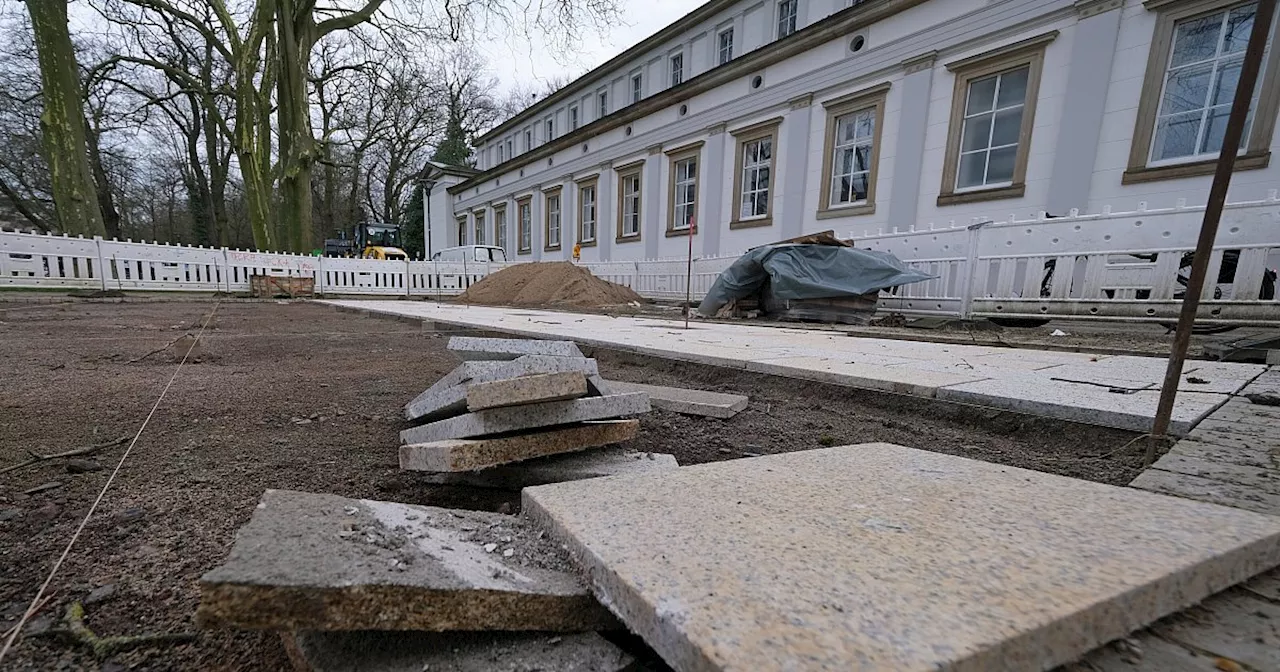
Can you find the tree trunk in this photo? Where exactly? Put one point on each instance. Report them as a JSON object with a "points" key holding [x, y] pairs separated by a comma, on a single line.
{"points": [[106, 197], [75, 199], [297, 144]]}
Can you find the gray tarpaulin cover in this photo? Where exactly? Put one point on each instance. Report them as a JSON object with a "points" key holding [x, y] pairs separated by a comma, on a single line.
{"points": [[808, 272]]}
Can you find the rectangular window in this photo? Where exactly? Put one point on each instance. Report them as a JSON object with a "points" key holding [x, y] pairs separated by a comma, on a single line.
{"points": [[462, 230], [637, 88], [724, 46], [990, 129], [553, 220], [501, 157], [677, 69], [524, 225], [604, 103], [852, 152], [787, 11], [573, 118], [992, 113], [587, 213], [510, 149], [629, 205], [479, 228], [1196, 55], [683, 189], [551, 129], [753, 174], [528, 140], [500, 227]]}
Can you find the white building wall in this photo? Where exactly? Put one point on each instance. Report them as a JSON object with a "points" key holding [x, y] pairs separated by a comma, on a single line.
{"points": [[954, 29]]}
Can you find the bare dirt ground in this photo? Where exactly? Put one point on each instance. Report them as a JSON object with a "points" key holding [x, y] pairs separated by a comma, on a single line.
{"points": [[297, 396]]}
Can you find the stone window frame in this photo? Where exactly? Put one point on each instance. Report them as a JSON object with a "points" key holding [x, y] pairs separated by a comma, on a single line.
{"points": [[1029, 52], [675, 156], [1257, 152], [558, 194], [592, 183], [636, 170], [742, 136], [464, 227], [500, 231], [524, 205], [477, 227], [874, 97]]}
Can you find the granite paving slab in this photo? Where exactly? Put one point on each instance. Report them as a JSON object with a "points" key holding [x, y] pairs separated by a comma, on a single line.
{"points": [[1204, 489], [526, 390], [883, 557], [900, 379], [473, 454], [382, 651], [473, 348], [559, 468], [528, 416], [447, 396], [686, 401], [311, 561]]}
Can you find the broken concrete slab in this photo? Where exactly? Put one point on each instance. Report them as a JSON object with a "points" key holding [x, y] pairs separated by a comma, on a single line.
{"points": [[686, 401], [448, 395], [321, 562], [529, 416], [560, 468], [526, 390], [884, 557], [381, 651], [473, 454], [473, 348]]}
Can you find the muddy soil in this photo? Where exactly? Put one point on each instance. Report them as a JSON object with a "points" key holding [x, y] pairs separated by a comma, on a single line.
{"points": [[298, 396]]}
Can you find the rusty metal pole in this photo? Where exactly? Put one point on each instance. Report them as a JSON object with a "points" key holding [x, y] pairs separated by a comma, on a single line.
{"points": [[1212, 214]]}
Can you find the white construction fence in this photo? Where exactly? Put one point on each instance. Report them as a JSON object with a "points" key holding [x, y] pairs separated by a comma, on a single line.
{"points": [[1110, 265]]}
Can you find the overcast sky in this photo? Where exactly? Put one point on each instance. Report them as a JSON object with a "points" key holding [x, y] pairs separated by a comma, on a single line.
{"points": [[515, 59]]}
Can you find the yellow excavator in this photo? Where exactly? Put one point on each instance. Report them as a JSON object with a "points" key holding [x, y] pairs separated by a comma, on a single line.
{"points": [[370, 241]]}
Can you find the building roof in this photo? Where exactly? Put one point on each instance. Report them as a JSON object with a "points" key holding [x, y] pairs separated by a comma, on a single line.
{"points": [[580, 84]]}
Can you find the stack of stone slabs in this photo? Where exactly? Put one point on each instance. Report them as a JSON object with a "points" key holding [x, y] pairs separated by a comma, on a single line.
{"points": [[512, 401]]}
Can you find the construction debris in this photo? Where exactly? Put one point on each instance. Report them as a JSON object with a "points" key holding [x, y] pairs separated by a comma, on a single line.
{"points": [[472, 454], [321, 562], [471, 349], [559, 468]]}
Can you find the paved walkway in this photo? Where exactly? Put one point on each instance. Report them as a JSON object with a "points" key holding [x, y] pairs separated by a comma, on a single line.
{"points": [[1116, 391], [1231, 458]]}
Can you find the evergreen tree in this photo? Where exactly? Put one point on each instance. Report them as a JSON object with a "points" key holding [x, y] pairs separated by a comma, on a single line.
{"points": [[411, 233]]}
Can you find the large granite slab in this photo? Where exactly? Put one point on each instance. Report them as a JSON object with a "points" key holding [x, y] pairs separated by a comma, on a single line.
{"points": [[888, 558], [473, 454], [473, 348], [381, 651], [685, 401], [529, 416], [558, 469], [322, 562], [448, 396], [526, 390]]}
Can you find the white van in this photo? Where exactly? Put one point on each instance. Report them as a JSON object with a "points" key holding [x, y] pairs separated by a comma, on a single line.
{"points": [[470, 253]]}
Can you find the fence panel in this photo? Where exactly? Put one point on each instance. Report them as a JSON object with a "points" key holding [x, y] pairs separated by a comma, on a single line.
{"points": [[28, 260], [241, 264], [153, 266]]}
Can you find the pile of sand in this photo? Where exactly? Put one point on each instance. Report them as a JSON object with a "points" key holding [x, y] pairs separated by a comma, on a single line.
{"points": [[557, 283]]}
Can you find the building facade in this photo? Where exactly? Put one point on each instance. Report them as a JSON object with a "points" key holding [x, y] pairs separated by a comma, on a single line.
{"points": [[761, 120]]}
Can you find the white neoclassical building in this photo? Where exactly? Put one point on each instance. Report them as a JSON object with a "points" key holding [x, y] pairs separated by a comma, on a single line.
{"points": [[761, 120]]}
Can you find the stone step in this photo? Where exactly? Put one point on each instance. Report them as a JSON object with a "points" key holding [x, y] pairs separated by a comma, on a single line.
{"points": [[382, 651], [460, 455], [321, 562], [883, 557], [530, 416], [686, 401]]}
